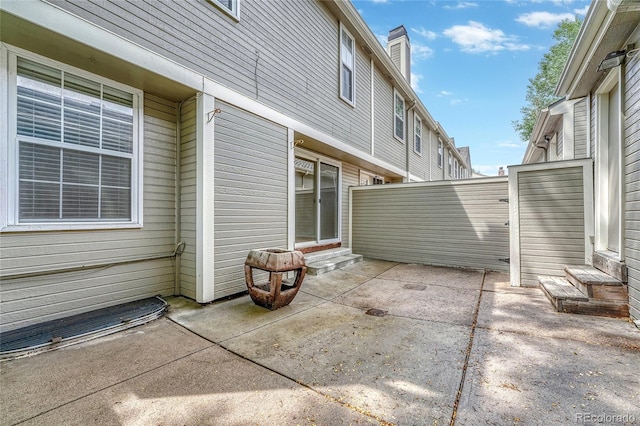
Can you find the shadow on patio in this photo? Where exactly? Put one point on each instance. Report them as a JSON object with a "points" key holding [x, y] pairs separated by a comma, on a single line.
{"points": [[323, 360]]}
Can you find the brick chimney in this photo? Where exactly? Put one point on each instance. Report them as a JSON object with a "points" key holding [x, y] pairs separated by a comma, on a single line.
{"points": [[399, 49]]}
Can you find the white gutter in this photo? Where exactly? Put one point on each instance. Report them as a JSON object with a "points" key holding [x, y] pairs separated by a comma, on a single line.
{"points": [[583, 47]]}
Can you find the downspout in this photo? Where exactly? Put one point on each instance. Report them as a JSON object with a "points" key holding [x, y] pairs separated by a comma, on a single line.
{"points": [[373, 121], [429, 155], [179, 244], [621, 160], [177, 288], [588, 124]]}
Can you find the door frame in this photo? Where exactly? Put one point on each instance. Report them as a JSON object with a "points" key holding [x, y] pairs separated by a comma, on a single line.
{"points": [[318, 158], [602, 221]]}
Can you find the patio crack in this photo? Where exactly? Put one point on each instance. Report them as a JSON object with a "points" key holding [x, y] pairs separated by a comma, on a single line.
{"points": [[468, 353]]}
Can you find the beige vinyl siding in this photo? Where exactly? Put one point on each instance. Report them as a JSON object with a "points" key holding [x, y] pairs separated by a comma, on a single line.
{"points": [[460, 224], [350, 177], [49, 296], [551, 222], [188, 195], [387, 147], [292, 68], [250, 192], [580, 129], [632, 183]]}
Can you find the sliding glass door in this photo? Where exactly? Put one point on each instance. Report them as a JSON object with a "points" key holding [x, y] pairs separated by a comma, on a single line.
{"points": [[317, 201]]}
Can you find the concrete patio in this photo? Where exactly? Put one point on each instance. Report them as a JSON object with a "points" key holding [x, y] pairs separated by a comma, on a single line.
{"points": [[444, 345]]}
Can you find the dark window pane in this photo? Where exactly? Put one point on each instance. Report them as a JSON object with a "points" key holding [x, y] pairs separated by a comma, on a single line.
{"points": [[116, 203], [39, 200], [116, 172], [39, 162], [80, 167], [79, 202]]}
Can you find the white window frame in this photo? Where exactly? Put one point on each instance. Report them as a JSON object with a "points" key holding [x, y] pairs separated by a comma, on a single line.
{"points": [[9, 180], [417, 134], [440, 154], [234, 11], [351, 66], [456, 168], [396, 96], [450, 163]]}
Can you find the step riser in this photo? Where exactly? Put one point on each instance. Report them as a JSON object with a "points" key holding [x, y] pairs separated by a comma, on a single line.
{"points": [[320, 256], [600, 292], [596, 307], [566, 298], [332, 266], [612, 267]]}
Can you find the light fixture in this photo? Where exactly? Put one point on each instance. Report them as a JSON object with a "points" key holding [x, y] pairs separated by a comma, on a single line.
{"points": [[613, 59]]}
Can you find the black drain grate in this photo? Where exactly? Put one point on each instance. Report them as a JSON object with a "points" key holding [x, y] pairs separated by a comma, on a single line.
{"points": [[376, 312], [55, 331]]}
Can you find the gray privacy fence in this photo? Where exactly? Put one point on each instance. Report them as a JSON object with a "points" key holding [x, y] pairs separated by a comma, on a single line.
{"points": [[450, 223], [535, 222]]}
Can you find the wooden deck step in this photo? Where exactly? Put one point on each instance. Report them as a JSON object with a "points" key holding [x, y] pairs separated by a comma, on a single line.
{"points": [[558, 290], [595, 283], [567, 298]]}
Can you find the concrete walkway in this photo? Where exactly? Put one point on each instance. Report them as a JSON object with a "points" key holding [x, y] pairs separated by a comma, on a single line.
{"points": [[442, 345]]}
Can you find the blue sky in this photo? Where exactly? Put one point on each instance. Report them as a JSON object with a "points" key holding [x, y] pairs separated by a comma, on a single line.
{"points": [[472, 61]]}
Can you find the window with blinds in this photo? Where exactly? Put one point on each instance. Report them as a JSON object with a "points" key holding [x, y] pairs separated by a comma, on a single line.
{"points": [[399, 112], [417, 135], [347, 66], [76, 147]]}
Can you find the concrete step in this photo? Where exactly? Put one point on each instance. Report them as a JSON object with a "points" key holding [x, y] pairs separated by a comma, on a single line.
{"points": [[567, 298], [595, 283], [326, 265], [317, 256]]}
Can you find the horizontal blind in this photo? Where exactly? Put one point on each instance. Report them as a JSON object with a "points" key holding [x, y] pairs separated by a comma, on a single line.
{"points": [[75, 146]]}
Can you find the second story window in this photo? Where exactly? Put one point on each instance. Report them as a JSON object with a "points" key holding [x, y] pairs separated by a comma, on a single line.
{"points": [[455, 168], [230, 6], [417, 136], [440, 154], [398, 124], [347, 67], [450, 164]]}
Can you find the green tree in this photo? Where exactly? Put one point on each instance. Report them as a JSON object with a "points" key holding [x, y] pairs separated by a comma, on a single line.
{"points": [[540, 91]]}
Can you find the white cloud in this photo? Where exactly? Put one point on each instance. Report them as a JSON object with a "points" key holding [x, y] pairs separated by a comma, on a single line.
{"points": [[420, 51], [382, 39], [510, 144], [455, 102], [461, 5], [380, 1], [415, 82], [543, 19], [582, 11], [476, 38], [429, 35], [444, 93]]}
